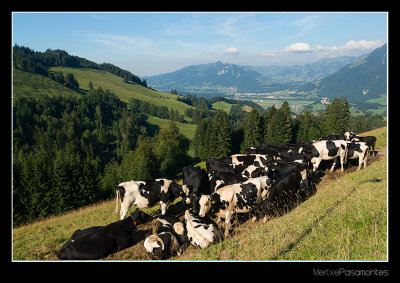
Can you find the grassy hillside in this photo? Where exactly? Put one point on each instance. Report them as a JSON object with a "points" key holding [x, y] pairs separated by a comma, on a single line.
{"points": [[123, 90], [345, 220], [27, 84]]}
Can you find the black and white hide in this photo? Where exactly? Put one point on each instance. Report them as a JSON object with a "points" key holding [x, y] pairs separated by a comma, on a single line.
{"points": [[168, 241], [201, 232]]}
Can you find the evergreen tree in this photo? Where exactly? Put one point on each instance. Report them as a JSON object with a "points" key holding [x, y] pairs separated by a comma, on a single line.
{"points": [[337, 117], [171, 148], [281, 126], [267, 121], [253, 130], [219, 139], [199, 141]]}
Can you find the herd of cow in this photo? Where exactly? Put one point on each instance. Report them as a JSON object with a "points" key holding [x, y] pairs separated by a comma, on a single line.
{"points": [[258, 183]]}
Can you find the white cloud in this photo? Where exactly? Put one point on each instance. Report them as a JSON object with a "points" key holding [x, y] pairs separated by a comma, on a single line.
{"points": [[232, 50], [350, 48], [299, 47]]}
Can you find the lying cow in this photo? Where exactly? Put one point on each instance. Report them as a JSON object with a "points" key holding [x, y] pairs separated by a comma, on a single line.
{"points": [[328, 150], [147, 194], [201, 232], [168, 241], [100, 241], [360, 151], [283, 191], [236, 198]]}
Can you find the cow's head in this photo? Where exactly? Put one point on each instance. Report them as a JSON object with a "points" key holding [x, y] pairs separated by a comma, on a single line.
{"points": [[140, 217], [154, 246], [208, 204]]}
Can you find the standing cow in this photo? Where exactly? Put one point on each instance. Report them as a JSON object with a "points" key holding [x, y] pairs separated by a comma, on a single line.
{"points": [[328, 150], [237, 198], [147, 194]]}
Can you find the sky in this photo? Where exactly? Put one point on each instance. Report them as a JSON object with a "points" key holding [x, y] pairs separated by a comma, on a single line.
{"points": [[147, 43]]}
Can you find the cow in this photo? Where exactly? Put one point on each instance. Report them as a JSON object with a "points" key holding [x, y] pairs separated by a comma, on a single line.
{"points": [[369, 140], [277, 150], [147, 194], [237, 198], [358, 150], [169, 239], [100, 241], [284, 190], [241, 162], [333, 137], [201, 232], [196, 182], [214, 165], [328, 150]]}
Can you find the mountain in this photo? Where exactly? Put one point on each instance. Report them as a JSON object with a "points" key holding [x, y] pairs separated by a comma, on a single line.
{"points": [[360, 81], [308, 72], [212, 77], [225, 77]]}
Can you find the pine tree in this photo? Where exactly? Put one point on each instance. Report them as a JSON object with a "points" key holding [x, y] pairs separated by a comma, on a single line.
{"points": [[219, 139], [253, 130], [199, 140], [281, 126], [267, 121], [337, 117]]}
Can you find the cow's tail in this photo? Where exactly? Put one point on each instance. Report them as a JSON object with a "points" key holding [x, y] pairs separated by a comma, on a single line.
{"points": [[116, 206]]}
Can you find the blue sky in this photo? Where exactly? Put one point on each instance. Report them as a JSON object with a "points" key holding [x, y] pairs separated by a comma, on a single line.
{"points": [[153, 43]]}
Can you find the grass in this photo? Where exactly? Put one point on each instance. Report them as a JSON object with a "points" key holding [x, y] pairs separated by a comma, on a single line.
{"points": [[124, 91], [345, 220]]}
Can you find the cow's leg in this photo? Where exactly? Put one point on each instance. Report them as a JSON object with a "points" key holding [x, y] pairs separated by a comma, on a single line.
{"points": [[163, 207], [342, 161], [316, 164], [116, 206], [366, 155], [334, 164], [125, 206], [228, 216]]}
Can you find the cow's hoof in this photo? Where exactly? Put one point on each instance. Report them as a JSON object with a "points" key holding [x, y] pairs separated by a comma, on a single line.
{"points": [[254, 219], [265, 219]]}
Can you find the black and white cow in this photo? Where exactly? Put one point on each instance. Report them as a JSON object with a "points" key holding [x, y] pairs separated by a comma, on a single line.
{"points": [[201, 232], [215, 165], [100, 241], [195, 180], [358, 150], [147, 194], [237, 198], [246, 164], [169, 239], [283, 191], [328, 150], [278, 150], [333, 137], [369, 140]]}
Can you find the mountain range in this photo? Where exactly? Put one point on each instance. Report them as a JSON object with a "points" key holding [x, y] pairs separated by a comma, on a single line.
{"points": [[358, 78]]}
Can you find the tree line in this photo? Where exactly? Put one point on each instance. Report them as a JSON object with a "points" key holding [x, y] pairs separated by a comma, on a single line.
{"points": [[223, 134], [26, 59]]}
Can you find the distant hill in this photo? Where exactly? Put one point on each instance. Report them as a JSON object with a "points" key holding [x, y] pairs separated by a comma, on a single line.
{"points": [[308, 72], [212, 77], [360, 81]]}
